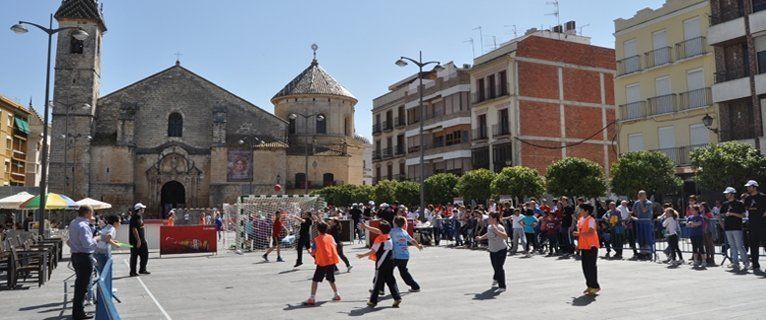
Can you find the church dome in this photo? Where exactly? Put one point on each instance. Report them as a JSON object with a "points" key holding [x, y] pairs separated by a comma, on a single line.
{"points": [[314, 81]]}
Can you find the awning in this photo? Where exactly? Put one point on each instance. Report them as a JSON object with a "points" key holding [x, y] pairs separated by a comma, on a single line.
{"points": [[22, 125]]}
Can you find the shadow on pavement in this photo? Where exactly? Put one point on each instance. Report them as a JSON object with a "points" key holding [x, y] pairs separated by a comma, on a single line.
{"points": [[40, 306], [489, 294], [362, 311], [291, 307], [583, 300]]}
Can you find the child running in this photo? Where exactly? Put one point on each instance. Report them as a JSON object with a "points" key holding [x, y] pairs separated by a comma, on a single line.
{"points": [[498, 249], [670, 223], [401, 240], [276, 237], [380, 252], [325, 257]]}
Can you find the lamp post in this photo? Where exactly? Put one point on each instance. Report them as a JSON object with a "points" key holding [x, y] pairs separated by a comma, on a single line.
{"points": [[74, 138], [78, 34], [707, 121], [68, 107], [254, 141], [402, 62], [320, 117]]}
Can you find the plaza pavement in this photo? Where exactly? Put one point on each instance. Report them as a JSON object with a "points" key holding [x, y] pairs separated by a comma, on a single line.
{"points": [[456, 285]]}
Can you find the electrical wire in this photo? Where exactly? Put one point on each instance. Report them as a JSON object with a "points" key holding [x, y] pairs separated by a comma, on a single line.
{"points": [[567, 145]]}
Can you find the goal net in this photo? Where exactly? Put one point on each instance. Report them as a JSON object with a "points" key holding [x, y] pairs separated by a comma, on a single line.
{"points": [[252, 217]]}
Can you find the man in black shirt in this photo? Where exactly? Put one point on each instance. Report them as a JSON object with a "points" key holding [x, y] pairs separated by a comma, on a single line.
{"points": [[304, 237], [733, 211], [386, 213], [137, 240], [755, 204], [567, 216], [356, 216]]}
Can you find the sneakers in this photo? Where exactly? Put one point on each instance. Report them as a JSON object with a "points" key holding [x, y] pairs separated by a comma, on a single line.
{"points": [[371, 304], [396, 303], [336, 297], [265, 257], [349, 269], [494, 283], [145, 272], [310, 302], [134, 274], [279, 259], [501, 290], [593, 291], [298, 264], [414, 290]]}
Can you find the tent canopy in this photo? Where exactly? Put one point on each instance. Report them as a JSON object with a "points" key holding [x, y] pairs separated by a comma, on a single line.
{"points": [[53, 201], [15, 201], [97, 205]]}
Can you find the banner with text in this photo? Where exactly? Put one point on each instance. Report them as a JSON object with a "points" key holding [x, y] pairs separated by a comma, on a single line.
{"points": [[188, 239]]}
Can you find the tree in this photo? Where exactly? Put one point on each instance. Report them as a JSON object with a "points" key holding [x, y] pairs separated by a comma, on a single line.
{"points": [[728, 164], [644, 170], [385, 191], [576, 177], [440, 188], [345, 195], [408, 193], [475, 185], [518, 181]]}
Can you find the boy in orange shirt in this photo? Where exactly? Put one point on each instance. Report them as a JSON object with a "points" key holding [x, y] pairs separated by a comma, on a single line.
{"points": [[326, 257]]}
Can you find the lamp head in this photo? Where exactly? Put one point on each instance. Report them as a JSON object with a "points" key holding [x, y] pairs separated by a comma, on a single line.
{"points": [[292, 116], [707, 120], [86, 106], [241, 141], [80, 34], [18, 28], [401, 62], [320, 117]]}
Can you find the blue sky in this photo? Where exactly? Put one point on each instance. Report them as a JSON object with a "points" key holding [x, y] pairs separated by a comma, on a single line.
{"points": [[253, 48]]}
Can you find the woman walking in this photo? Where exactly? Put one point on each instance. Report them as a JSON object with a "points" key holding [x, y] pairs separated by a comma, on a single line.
{"points": [[587, 243], [498, 248]]}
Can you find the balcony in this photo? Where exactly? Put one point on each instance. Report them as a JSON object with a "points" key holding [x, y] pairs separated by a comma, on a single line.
{"points": [[477, 97], [388, 125], [399, 149], [387, 153], [633, 110], [658, 57], [412, 149], [376, 129], [731, 74], [695, 99], [480, 134], [729, 24], [629, 65], [681, 156], [662, 104], [399, 122], [691, 48], [501, 130], [375, 154]]}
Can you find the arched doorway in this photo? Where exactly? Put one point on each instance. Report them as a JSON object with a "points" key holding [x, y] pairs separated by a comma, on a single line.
{"points": [[173, 195]]}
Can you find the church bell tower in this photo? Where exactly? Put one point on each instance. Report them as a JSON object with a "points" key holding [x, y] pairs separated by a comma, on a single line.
{"points": [[76, 90]]}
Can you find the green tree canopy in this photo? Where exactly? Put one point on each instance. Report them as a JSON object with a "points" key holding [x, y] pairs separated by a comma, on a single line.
{"points": [[644, 170], [728, 164], [385, 191], [345, 195], [407, 193], [440, 188], [518, 181], [576, 177], [476, 185]]}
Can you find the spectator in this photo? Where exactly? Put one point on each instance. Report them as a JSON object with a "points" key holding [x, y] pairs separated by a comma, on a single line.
{"points": [[529, 222], [643, 209], [616, 223], [755, 204], [733, 211], [670, 222], [694, 223]]}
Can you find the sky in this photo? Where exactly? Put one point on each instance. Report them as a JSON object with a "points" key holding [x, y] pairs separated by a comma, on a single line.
{"points": [[254, 47]]}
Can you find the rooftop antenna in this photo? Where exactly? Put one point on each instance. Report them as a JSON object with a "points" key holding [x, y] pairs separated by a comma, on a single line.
{"points": [[515, 32], [494, 41], [481, 38], [473, 47], [556, 12], [583, 26], [314, 47], [178, 55]]}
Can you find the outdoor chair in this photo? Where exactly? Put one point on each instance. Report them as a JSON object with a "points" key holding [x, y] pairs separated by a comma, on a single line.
{"points": [[27, 264], [7, 264], [47, 250]]}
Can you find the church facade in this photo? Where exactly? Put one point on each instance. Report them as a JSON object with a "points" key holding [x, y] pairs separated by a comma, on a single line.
{"points": [[175, 139]]}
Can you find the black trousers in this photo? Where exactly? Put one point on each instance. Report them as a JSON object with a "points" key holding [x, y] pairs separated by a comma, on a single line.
{"points": [[341, 255], [531, 241], [589, 269], [83, 268], [135, 253], [754, 244], [401, 264], [303, 242], [673, 247], [498, 261], [632, 240], [618, 239], [384, 276]]}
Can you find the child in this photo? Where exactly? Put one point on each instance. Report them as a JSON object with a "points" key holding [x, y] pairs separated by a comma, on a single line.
{"points": [[518, 231], [401, 239], [107, 241], [325, 257], [380, 252], [335, 232], [498, 249], [550, 227], [587, 243], [304, 238], [604, 237], [670, 223], [276, 237], [529, 222], [694, 223]]}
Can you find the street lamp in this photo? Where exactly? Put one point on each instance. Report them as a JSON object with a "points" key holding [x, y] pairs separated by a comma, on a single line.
{"points": [[78, 34], [402, 62], [707, 120], [254, 141], [320, 117]]}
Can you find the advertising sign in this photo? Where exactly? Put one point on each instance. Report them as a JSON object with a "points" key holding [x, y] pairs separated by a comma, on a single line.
{"points": [[188, 239]]}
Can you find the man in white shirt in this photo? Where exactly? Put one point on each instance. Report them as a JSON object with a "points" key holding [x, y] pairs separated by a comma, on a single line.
{"points": [[624, 211]]}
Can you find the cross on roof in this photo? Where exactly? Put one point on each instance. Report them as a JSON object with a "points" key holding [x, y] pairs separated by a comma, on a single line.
{"points": [[314, 47], [178, 57]]}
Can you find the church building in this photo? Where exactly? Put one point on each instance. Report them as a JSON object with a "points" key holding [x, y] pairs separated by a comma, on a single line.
{"points": [[175, 139]]}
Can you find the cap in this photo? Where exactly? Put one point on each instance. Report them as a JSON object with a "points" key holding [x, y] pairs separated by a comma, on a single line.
{"points": [[751, 183], [384, 205], [730, 190], [139, 206], [372, 203]]}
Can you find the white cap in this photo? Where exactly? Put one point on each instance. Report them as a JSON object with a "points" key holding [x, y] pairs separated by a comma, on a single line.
{"points": [[730, 190], [751, 183], [139, 206], [372, 203], [384, 205]]}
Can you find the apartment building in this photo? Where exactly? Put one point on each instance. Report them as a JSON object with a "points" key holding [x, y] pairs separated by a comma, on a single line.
{"points": [[739, 119], [665, 71], [15, 131], [542, 97], [446, 125]]}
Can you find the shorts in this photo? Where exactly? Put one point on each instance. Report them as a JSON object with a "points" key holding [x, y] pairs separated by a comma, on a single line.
{"points": [[326, 272], [276, 240]]}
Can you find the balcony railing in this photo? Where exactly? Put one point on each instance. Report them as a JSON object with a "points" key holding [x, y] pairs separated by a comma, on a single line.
{"points": [[659, 57], [388, 125], [399, 122], [731, 74], [387, 153], [633, 110], [375, 154], [477, 97], [399, 149], [501, 130], [662, 104], [681, 156], [400, 177], [480, 134], [691, 48], [376, 129], [696, 99], [412, 149], [629, 65]]}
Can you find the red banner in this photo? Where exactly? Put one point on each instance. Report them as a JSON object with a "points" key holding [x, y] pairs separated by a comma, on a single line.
{"points": [[188, 239]]}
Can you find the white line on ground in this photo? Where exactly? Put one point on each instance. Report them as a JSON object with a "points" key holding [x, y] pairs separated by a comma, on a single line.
{"points": [[165, 313]]}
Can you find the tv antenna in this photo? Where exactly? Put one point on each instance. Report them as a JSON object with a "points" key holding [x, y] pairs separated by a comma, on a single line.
{"points": [[515, 31], [556, 12], [481, 38], [582, 27], [473, 48]]}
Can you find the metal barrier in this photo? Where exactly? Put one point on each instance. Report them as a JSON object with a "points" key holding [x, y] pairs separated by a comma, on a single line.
{"points": [[105, 308]]}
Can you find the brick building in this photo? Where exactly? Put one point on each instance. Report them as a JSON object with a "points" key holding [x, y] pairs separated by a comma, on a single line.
{"points": [[542, 97]]}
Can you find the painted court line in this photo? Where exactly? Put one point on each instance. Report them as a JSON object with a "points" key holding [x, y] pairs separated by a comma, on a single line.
{"points": [[165, 313]]}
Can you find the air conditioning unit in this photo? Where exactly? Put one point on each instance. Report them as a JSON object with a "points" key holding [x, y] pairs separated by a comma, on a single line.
{"points": [[570, 26], [558, 29]]}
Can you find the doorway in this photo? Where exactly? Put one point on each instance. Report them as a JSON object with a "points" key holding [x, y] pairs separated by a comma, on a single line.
{"points": [[173, 195]]}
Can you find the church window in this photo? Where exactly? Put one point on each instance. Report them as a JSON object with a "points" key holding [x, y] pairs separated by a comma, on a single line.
{"points": [[76, 46], [300, 180], [321, 126], [175, 125], [292, 126]]}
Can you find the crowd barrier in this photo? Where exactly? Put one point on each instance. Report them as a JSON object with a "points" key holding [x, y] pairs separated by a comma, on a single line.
{"points": [[105, 308]]}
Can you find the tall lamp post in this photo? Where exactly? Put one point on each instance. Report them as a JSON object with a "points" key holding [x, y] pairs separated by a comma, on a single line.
{"points": [[253, 141], [78, 34], [402, 62], [320, 117]]}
